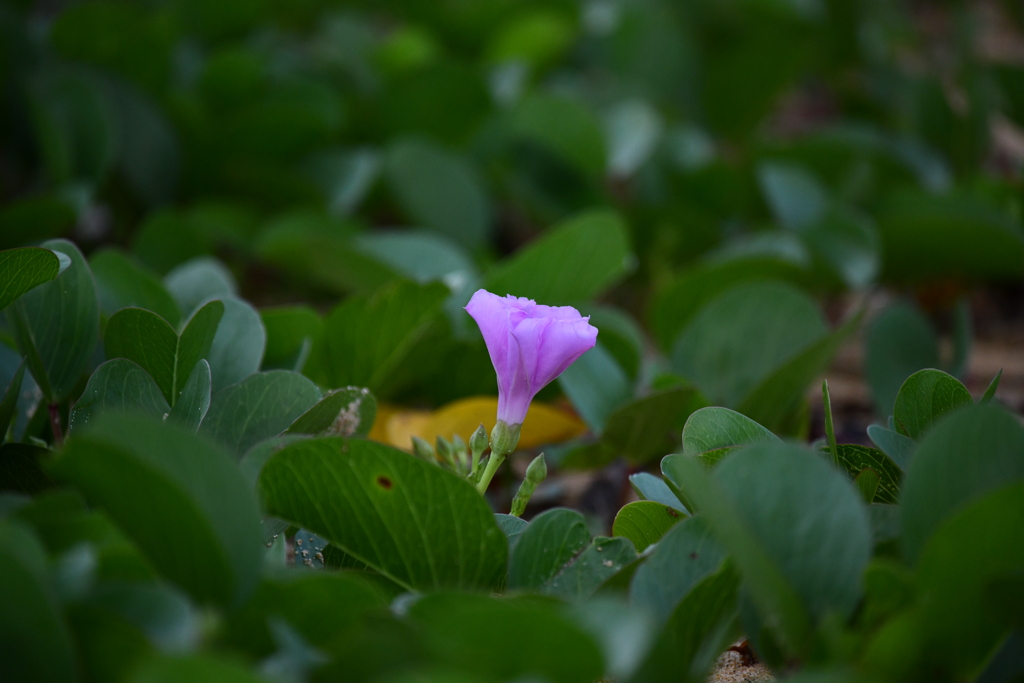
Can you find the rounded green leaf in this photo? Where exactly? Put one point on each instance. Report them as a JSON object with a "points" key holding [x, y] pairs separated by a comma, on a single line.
{"points": [[644, 522], [119, 385], [650, 487], [744, 334], [964, 612], [57, 324], [261, 406], [714, 428], [547, 644], [550, 543], [687, 554], [574, 261], [856, 458], [439, 189], [900, 341], [24, 269], [417, 524], [589, 570], [237, 348], [122, 282], [180, 499], [807, 517], [147, 339], [195, 397], [971, 452], [35, 644], [342, 412], [925, 397], [197, 280]]}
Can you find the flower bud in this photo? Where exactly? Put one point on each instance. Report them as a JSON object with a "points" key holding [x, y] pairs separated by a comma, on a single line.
{"points": [[535, 474], [478, 442], [444, 450], [422, 449], [460, 454], [504, 438]]}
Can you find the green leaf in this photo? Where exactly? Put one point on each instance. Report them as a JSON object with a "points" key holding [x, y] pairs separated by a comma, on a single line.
{"points": [[148, 340], [652, 488], [603, 559], [939, 236], [830, 430], [35, 644], [9, 404], [57, 324], [512, 527], [643, 429], [195, 281], [970, 453], [420, 256], [683, 558], [194, 400], [957, 573], [259, 407], [548, 644], [900, 341], [856, 458], [714, 429], [924, 398], [552, 540], [741, 337], [34, 218], [644, 522], [778, 396], [867, 483], [576, 260], [180, 499], [193, 668], [292, 333], [596, 385], [899, 448], [796, 198], [320, 606], [237, 348], [21, 468], [121, 283], [990, 392], [118, 385], [439, 189], [23, 269], [417, 524], [368, 338], [565, 127], [342, 412], [702, 625], [675, 305]]}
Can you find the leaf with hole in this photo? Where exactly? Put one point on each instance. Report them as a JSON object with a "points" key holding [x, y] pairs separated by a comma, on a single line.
{"points": [[417, 524]]}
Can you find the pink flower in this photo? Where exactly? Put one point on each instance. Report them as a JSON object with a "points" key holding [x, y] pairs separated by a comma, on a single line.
{"points": [[530, 345]]}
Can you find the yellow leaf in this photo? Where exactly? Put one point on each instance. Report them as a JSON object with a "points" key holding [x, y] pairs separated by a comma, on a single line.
{"points": [[544, 423]]}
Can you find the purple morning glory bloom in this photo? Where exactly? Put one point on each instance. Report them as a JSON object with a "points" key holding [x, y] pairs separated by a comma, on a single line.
{"points": [[530, 345]]}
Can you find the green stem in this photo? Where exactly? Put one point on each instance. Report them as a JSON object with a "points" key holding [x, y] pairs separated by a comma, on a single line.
{"points": [[493, 463]]}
